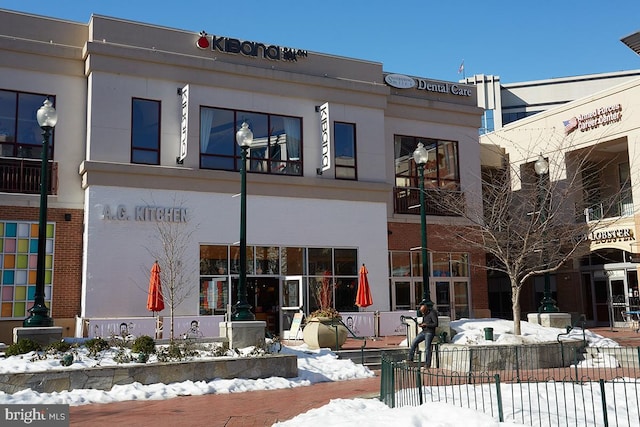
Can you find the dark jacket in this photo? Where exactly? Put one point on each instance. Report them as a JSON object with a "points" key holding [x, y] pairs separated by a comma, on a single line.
{"points": [[430, 321]]}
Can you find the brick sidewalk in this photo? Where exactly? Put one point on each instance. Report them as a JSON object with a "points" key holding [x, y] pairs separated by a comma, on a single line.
{"points": [[253, 408], [256, 408]]}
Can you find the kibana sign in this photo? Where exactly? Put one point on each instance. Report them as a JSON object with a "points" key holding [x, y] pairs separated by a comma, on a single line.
{"points": [[248, 48]]}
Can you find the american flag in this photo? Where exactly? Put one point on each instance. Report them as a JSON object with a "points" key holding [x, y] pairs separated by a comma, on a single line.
{"points": [[461, 67], [570, 125]]}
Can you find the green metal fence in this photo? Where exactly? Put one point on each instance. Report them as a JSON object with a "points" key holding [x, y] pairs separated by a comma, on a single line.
{"points": [[529, 384]]}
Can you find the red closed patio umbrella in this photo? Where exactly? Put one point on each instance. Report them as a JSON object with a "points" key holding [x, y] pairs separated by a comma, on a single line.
{"points": [[363, 296], [155, 300]]}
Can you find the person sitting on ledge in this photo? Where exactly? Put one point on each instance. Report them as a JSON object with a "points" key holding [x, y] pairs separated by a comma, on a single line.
{"points": [[428, 325]]}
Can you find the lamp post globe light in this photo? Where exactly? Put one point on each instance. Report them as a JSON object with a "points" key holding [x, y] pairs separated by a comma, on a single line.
{"points": [[541, 166], [39, 314], [244, 138], [421, 156]]}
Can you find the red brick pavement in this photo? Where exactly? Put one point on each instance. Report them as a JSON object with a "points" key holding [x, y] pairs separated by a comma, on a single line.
{"points": [[255, 408]]}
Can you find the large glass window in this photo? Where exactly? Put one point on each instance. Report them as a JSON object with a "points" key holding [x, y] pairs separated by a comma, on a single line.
{"points": [[276, 147], [145, 131], [344, 135], [331, 271], [441, 170], [443, 289], [20, 134]]}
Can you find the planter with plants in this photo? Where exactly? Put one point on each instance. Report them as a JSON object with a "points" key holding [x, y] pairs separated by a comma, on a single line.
{"points": [[324, 328]]}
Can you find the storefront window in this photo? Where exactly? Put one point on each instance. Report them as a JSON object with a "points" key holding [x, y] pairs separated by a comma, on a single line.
{"points": [[267, 260], [334, 281], [461, 299], [441, 266], [214, 259], [214, 295], [400, 264], [320, 262], [320, 292], [346, 289], [460, 265], [292, 261], [235, 259], [346, 261]]}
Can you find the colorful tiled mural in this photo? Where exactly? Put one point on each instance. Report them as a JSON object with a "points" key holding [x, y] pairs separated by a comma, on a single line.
{"points": [[18, 264]]}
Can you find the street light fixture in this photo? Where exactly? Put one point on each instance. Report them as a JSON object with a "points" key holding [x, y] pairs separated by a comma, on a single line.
{"points": [[244, 138], [541, 166], [421, 156], [39, 314]]}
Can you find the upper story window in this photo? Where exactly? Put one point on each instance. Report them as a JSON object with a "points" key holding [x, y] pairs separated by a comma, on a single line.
{"points": [[441, 171], [145, 131], [344, 135], [276, 147], [20, 134]]}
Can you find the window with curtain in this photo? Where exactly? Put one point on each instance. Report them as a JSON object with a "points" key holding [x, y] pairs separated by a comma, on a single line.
{"points": [[20, 134], [145, 131], [344, 135], [276, 147], [442, 168]]}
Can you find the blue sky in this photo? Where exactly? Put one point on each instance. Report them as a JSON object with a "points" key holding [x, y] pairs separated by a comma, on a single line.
{"points": [[516, 40]]}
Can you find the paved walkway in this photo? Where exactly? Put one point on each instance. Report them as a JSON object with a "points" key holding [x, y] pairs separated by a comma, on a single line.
{"points": [[255, 408]]}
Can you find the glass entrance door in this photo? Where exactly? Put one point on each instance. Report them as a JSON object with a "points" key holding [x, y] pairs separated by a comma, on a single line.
{"points": [[443, 297], [291, 302], [618, 299]]}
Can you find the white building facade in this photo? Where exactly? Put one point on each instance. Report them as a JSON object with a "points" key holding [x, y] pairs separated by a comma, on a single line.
{"points": [[145, 145]]}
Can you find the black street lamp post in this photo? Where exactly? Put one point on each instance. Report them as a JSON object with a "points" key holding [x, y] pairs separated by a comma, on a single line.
{"points": [[39, 313], [541, 166], [244, 138], [420, 156]]}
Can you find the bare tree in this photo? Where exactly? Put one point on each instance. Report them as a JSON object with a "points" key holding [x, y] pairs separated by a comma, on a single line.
{"points": [[528, 224], [169, 248]]}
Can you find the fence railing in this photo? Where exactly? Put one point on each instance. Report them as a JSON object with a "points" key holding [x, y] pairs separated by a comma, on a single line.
{"points": [[592, 386], [439, 202], [18, 175]]}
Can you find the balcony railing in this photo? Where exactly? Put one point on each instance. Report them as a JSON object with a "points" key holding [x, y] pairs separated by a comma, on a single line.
{"points": [[437, 202], [23, 176], [621, 206]]}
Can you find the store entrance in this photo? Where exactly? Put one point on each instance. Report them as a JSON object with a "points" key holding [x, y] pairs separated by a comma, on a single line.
{"points": [[262, 295], [615, 289], [264, 300]]}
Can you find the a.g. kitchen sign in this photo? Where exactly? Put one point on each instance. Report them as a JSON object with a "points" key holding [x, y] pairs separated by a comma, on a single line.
{"points": [[144, 213]]}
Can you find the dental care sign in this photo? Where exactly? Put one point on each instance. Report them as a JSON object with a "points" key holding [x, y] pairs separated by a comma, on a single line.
{"points": [[325, 135]]}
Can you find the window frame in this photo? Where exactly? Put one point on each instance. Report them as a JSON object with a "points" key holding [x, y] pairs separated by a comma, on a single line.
{"points": [[12, 144], [432, 180], [354, 148], [145, 148], [267, 163]]}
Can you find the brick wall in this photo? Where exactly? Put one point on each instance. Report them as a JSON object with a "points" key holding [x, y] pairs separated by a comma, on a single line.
{"points": [[404, 236]]}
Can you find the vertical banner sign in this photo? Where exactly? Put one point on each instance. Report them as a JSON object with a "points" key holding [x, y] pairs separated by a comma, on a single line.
{"points": [[184, 124], [325, 133]]}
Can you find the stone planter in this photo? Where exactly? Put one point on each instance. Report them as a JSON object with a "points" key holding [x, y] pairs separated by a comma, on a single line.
{"points": [[321, 332]]}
